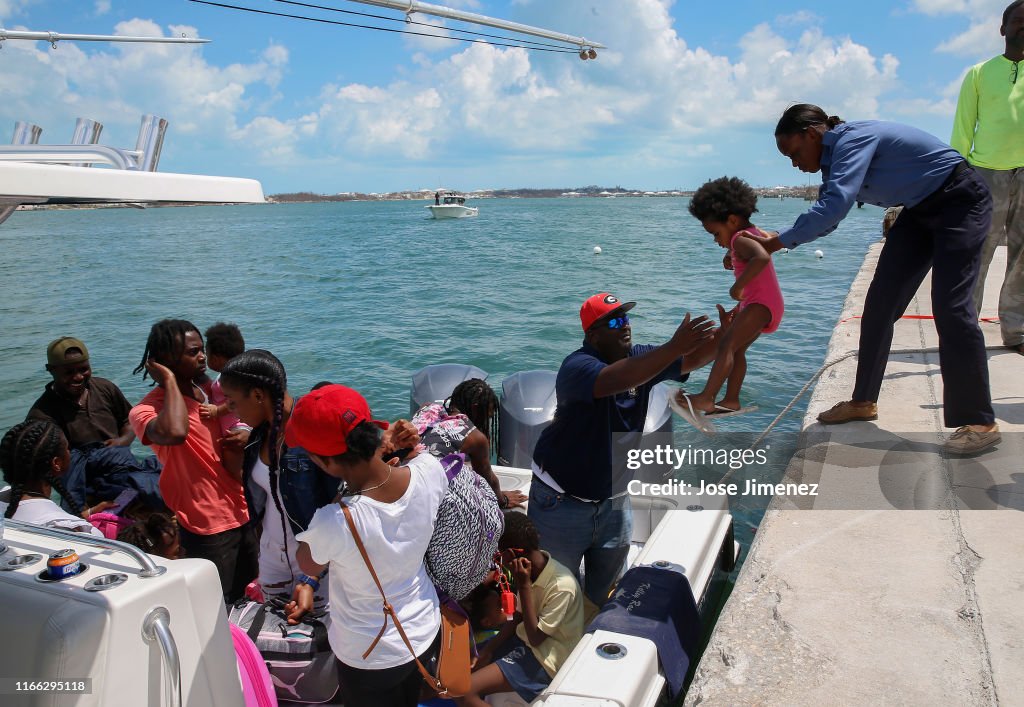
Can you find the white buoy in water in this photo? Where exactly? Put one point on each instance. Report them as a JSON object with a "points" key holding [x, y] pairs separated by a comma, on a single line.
{"points": [[818, 254], [597, 250], [783, 250]]}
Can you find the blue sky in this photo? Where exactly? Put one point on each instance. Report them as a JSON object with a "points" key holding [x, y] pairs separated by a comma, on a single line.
{"points": [[685, 91]]}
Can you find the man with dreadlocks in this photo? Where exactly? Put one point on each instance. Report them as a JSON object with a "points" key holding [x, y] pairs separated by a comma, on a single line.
{"points": [[34, 455], [207, 499]]}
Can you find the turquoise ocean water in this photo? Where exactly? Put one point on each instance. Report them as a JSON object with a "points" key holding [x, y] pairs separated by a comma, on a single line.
{"points": [[366, 293]]}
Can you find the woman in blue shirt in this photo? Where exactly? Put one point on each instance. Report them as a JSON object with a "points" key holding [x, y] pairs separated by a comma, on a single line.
{"points": [[946, 216]]}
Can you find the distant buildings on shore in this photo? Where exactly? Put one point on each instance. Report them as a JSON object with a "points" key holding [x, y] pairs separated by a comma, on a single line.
{"points": [[594, 192]]}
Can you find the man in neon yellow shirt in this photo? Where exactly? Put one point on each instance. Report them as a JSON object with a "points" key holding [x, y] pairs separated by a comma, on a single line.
{"points": [[988, 130]]}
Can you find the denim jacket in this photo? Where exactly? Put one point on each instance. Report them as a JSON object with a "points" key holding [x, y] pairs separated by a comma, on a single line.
{"points": [[302, 486]]}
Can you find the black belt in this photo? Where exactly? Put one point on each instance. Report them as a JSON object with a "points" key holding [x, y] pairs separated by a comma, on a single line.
{"points": [[935, 197]]}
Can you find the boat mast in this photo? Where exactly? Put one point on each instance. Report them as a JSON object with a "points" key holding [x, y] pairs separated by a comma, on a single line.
{"points": [[54, 37], [411, 6]]}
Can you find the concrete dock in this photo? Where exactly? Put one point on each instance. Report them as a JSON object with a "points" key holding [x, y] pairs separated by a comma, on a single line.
{"points": [[902, 581]]}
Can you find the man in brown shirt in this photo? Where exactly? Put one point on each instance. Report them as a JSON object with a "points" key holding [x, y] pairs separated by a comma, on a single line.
{"points": [[92, 413], [88, 409]]}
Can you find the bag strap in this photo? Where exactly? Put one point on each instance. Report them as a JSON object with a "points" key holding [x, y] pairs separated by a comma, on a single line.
{"points": [[257, 622], [452, 464], [389, 610]]}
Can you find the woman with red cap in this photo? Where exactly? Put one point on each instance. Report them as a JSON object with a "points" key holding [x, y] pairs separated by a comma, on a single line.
{"points": [[393, 509]]}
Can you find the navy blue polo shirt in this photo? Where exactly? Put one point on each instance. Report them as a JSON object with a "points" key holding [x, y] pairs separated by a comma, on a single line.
{"points": [[576, 449]]}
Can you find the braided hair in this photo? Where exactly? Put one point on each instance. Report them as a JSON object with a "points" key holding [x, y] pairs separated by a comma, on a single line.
{"points": [[258, 368], [166, 342], [801, 116], [26, 455], [475, 399]]}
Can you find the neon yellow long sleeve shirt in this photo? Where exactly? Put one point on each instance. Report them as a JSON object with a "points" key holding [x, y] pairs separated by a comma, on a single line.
{"points": [[988, 128]]}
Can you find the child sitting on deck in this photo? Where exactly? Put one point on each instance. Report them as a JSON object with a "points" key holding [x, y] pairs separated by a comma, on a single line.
{"points": [[223, 343], [528, 652], [724, 206]]}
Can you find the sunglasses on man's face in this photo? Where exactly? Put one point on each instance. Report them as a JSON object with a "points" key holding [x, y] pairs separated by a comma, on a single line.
{"points": [[617, 322]]}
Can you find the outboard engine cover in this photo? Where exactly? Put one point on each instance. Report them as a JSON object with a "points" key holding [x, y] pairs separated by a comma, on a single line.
{"points": [[527, 406], [434, 384], [657, 431]]}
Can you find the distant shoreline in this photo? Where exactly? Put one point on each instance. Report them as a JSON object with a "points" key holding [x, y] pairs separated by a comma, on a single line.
{"points": [[799, 192]]}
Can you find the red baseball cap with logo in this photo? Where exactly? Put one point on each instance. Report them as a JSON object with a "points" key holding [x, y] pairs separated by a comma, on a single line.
{"points": [[323, 418], [599, 305]]}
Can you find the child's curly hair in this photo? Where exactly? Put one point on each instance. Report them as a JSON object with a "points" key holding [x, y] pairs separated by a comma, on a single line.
{"points": [[154, 534], [718, 199], [520, 533]]}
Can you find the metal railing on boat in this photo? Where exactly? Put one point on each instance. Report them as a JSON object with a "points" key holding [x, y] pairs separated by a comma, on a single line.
{"points": [[156, 626]]}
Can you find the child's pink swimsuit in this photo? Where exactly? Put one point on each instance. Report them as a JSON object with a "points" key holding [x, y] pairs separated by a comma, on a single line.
{"points": [[763, 289]]}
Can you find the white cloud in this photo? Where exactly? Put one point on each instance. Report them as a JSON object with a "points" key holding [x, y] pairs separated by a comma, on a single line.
{"points": [[117, 83], [432, 27], [102, 7], [981, 38], [649, 99], [10, 8], [801, 17], [650, 87]]}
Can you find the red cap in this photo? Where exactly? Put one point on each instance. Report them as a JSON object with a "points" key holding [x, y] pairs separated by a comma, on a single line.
{"points": [[322, 419], [600, 305]]}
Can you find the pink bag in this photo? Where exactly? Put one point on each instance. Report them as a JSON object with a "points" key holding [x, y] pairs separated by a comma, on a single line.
{"points": [[257, 687], [110, 524]]}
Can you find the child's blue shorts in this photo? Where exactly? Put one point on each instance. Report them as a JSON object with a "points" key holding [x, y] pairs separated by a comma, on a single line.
{"points": [[524, 673]]}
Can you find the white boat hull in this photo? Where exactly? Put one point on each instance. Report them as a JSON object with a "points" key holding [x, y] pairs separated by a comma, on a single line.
{"points": [[60, 631], [452, 211]]}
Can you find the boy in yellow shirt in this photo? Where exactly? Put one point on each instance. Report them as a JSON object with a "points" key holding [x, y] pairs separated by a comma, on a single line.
{"points": [[529, 650]]}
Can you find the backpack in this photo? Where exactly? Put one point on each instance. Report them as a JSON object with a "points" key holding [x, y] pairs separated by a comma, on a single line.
{"points": [[299, 657], [257, 685], [466, 531]]}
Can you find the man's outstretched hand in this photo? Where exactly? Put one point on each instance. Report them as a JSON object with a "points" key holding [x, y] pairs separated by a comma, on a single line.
{"points": [[691, 334]]}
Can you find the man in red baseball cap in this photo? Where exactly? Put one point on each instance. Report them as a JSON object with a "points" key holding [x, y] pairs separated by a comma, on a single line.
{"points": [[578, 498]]}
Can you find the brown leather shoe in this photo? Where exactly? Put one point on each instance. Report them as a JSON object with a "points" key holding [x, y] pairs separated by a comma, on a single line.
{"points": [[847, 411], [968, 441]]}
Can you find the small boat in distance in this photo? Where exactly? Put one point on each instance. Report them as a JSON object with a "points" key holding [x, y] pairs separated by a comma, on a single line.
{"points": [[451, 205]]}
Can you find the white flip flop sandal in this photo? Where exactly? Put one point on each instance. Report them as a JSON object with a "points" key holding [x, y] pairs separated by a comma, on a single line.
{"points": [[688, 413]]}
